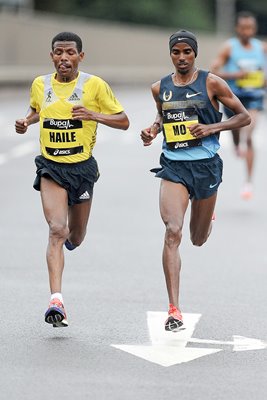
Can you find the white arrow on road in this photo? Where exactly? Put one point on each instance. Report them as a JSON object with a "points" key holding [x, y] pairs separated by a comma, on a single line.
{"points": [[168, 348], [240, 343]]}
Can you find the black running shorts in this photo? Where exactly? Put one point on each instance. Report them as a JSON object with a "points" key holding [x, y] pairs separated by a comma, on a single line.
{"points": [[201, 177], [78, 178]]}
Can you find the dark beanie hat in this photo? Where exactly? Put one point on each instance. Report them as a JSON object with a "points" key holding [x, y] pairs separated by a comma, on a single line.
{"points": [[185, 37]]}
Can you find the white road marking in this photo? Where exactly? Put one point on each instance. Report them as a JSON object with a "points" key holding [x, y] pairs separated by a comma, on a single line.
{"points": [[3, 158], [168, 348], [21, 150]]}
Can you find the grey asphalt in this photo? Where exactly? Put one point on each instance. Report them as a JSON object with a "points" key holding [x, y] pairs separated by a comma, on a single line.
{"points": [[116, 276]]}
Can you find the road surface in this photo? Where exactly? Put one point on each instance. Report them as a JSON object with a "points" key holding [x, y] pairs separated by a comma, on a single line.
{"points": [[115, 277]]}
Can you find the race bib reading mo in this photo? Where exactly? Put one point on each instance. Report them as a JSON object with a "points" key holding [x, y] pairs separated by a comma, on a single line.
{"points": [[176, 129]]}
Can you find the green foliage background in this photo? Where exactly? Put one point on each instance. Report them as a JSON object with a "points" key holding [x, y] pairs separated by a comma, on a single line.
{"points": [[189, 14]]}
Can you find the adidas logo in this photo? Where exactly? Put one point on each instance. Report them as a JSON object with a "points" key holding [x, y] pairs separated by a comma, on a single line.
{"points": [[74, 97], [84, 196]]}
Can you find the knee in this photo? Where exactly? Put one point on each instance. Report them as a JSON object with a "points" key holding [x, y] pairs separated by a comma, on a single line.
{"points": [[198, 240], [58, 231], [77, 238], [173, 235]]}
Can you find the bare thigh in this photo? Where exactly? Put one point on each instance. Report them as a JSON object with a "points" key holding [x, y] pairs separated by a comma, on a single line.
{"points": [[55, 203], [174, 201]]}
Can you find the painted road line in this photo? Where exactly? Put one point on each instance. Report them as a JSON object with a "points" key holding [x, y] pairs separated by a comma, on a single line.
{"points": [[21, 150], [168, 348], [3, 159], [159, 336]]}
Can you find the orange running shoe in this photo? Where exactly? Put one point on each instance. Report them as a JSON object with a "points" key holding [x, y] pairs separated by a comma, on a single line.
{"points": [[246, 192], [174, 323], [56, 314]]}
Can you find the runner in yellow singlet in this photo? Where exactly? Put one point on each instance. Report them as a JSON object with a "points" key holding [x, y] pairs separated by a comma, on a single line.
{"points": [[69, 105]]}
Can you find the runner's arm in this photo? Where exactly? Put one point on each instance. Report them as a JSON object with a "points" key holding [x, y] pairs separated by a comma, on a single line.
{"points": [[149, 134], [219, 62], [21, 125], [117, 121], [219, 91]]}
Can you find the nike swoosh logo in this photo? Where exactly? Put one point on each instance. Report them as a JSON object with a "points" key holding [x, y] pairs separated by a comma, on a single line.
{"points": [[212, 186], [192, 95]]}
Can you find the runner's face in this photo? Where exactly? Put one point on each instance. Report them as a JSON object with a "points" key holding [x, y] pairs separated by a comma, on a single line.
{"points": [[183, 58], [246, 28], [66, 59]]}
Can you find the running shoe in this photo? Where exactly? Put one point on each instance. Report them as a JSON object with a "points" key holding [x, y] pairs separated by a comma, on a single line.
{"points": [[174, 323], [246, 192], [56, 314], [69, 245]]}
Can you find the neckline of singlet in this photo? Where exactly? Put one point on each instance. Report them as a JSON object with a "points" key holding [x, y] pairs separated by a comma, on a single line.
{"points": [[193, 79]]}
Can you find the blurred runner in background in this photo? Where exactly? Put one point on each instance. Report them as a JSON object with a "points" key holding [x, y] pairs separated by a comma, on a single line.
{"points": [[241, 62]]}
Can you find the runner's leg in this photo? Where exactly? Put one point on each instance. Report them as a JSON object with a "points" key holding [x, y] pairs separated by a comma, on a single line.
{"points": [[174, 200], [250, 153], [201, 219], [78, 216], [55, 207]]}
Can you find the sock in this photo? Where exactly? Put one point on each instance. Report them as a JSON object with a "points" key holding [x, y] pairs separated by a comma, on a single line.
{"points": [[57, 296]]}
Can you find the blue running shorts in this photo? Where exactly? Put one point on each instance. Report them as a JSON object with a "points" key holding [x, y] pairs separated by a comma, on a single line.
{"points": [[201, 177]]}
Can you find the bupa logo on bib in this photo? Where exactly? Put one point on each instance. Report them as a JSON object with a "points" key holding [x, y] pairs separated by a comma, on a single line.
{"points": [[177, 116], [62, 124]]}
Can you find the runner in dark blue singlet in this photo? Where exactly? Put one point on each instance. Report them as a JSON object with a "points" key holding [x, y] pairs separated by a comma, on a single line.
{"points": [[191, 170]]}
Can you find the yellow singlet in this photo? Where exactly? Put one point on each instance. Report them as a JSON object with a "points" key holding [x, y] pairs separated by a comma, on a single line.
{"points": [[63, 139]]}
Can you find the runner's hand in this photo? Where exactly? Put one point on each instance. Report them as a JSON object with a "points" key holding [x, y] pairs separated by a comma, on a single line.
{"points": [[148, 135], [200, 130], [83, 114], [21, 125]]}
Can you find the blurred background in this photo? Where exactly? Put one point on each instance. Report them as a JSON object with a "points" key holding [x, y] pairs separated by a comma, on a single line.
{"points": [[125, 42]]}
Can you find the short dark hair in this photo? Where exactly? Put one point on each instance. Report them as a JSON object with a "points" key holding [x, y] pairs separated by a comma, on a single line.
{"points": [[245, 14], [68, 37]]}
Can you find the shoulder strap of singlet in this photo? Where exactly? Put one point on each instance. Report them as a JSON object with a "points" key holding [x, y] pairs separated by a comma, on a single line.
{"points": [[50, 96]]}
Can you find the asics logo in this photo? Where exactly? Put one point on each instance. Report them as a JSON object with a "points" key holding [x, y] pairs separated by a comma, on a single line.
{"points": [[63, 152], [188, 96]]}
